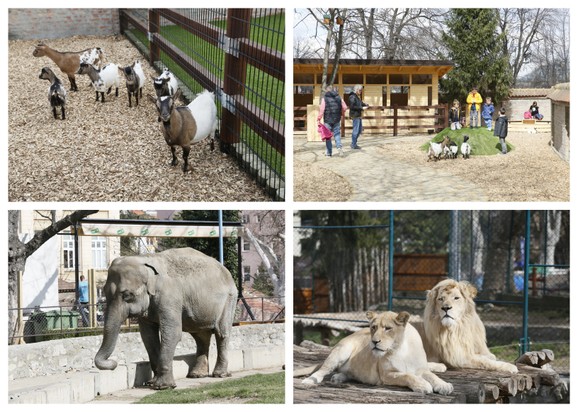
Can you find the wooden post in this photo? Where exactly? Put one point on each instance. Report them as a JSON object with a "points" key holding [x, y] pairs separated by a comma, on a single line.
{"points": [[122, 21], [154, 27], [395, 120], [235, 72]]}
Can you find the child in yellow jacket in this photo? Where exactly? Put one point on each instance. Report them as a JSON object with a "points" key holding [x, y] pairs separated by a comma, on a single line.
{"points": [[474, 100]]}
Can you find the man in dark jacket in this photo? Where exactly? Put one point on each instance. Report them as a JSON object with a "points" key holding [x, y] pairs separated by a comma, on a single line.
{"points": [[501, 129], [356, 107]]}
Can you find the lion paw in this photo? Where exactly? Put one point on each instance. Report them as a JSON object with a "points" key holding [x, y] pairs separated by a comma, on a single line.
{"points": [[339, 378], [422, 387], [508, 367], [310, 381], [444, 389]]}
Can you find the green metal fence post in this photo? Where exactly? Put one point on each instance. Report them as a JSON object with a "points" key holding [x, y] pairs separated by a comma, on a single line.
{"points": [[524, 341], [391, 251]]}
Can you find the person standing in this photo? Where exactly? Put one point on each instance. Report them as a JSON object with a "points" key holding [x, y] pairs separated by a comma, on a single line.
{"points": [[455, 116], [501, 129], [332, 108], [356, 107], [488, 112], [474, 100], [83, 300]]}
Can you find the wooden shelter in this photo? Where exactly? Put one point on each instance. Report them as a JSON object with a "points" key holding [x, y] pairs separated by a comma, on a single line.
{"points": [[559, 95], [409, 85]]}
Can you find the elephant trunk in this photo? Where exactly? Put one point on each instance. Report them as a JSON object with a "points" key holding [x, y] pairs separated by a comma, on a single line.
{"points": [[112, 323]]}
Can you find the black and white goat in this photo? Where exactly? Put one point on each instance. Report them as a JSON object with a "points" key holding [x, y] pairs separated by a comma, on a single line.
{"points": [[135, 79], [466, 149], [166, 84], [56, 92], [103, 80]]}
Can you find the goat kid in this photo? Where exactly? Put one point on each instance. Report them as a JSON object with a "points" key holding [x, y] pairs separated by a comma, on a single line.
{"points": [[135, 79], [436, 150], [184, 125], [56, 92], [166, 84], [69, 62], [465, 148], [102, 80]]}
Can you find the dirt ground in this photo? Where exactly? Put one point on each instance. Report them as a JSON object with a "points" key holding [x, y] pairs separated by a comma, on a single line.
{"points": [[103, 152], [532, 172]]}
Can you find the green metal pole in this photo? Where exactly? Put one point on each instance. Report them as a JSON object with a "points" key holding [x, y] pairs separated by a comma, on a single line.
{"points": [[391, 251], [525, 344]]}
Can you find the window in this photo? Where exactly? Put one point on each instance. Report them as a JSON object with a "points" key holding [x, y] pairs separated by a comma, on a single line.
{"points": [[352, 79], [399, 79], [303, 78], [246, 245], [421, 79], [430, 96], [399, 95], [246, 273], [376, 79], [99, 258], [68, 251], [303, 90], [384, 96]]}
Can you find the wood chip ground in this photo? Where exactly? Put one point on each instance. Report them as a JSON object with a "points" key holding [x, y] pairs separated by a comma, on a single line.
{"points": [[103, 152]]}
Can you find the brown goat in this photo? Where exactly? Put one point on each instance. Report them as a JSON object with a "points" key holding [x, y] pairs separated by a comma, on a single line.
{"points": [[69, 62]]}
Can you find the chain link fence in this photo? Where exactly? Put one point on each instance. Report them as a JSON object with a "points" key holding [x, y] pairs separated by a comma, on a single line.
{"points": [[347, 262]]}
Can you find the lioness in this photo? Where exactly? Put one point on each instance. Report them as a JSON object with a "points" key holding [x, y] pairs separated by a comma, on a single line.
{"points": [[453, 332], [389, 352]]}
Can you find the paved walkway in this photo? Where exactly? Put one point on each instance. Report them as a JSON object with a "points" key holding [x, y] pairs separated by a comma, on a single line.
{"points": [[133, 395], [375, 177]]}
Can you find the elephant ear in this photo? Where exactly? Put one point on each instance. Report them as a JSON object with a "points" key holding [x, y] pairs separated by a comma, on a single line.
{"points": [[152, 280]]}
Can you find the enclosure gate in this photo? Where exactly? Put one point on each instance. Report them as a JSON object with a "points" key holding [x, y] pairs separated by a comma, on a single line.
{"points": [[239, 55]]}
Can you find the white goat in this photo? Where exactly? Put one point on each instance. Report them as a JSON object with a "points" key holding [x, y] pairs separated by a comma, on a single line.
{"points": [[103, 79], [135, 79], [466, 149], [185, 125], [166, 84], [56, 91], [436, 150]]}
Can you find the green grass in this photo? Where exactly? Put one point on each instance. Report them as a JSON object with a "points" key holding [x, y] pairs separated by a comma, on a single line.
{"points": [[261, 388], [482, 141], [268, 31]]}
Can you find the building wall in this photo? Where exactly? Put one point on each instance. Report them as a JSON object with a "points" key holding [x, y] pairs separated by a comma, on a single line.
{"points": [[31, 221], [54, 23], [560, 129], [515, 108]]}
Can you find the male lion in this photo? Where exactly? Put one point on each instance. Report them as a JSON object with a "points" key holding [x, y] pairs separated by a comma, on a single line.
{"points": [[454, 333], [389, 352]]}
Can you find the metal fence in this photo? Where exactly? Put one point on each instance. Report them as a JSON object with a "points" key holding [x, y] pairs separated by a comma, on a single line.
{"points": [[239, 55], [57, 322], [390, 260]]}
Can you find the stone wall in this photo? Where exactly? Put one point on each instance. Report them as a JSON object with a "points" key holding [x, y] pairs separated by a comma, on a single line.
{"points": [[41, 24], [77, 354]]}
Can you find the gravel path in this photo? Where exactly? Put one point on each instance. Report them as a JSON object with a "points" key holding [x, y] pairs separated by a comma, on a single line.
{"points": [[103, 152], [395, 169]]}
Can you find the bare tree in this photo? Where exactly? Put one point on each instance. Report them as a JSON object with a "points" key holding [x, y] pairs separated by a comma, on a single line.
{"points": [[19, 251], [268, 238]]}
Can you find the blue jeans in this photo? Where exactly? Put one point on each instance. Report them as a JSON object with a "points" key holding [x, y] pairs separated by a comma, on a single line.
{"points": [[504, 146], [336, 130], [473, 118], [357, 128], [488, 121]]}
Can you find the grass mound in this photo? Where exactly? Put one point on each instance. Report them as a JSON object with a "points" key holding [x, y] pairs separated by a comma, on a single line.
{"points": [[259, 388], [482, 141]]}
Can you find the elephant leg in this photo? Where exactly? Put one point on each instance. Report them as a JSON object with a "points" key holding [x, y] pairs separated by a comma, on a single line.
{"points": [[220, 370], [149, 333], [171, 333], [201, 368]]}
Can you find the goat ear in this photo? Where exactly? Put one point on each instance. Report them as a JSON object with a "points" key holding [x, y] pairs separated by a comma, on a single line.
{"points": [[177, 94], [152, 99]]}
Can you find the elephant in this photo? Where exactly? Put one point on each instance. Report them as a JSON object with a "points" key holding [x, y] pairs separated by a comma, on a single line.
{"points": [[174, 291]]}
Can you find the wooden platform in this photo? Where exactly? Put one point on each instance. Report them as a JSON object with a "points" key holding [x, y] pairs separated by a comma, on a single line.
{"points": [[530, 385]]}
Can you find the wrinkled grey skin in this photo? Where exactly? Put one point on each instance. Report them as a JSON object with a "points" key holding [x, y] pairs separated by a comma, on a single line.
{"points": [[171, 291]]}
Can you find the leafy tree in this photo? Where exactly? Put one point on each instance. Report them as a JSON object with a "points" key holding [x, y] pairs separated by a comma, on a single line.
{"points": [[262, 281], [209, 246], [476, 47]]}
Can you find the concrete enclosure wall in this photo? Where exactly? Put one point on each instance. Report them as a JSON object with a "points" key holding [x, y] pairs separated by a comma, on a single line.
{"points": [[77, 354], [41, 24]]}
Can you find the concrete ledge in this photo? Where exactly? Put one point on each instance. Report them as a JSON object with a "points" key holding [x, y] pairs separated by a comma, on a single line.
{"points": [[82, 387]]}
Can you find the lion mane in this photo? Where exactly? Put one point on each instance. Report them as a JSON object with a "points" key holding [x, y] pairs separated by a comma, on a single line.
{"points": [[453, 332], [389, 352]]}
